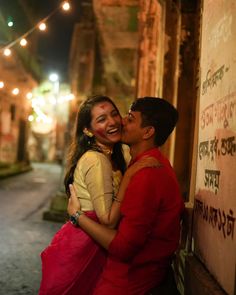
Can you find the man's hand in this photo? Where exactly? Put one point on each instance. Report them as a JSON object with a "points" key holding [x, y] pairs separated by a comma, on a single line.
{"points": [[74, 203]]}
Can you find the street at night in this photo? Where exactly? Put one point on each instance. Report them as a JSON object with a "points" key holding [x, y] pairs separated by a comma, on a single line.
{"points": [[24, 233], [81, 78]]}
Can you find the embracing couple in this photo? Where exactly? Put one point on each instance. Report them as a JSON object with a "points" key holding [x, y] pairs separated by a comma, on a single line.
{"points": [[124, 222]]}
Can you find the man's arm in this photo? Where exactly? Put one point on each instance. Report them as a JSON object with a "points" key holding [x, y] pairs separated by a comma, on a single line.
{"points": [[100, 233]]}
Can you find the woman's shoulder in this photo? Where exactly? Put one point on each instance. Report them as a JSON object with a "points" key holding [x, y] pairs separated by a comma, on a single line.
{"points": [[91, 157]]}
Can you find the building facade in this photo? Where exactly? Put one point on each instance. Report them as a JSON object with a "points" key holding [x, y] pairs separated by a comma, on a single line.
{"points": [[183, 51]]}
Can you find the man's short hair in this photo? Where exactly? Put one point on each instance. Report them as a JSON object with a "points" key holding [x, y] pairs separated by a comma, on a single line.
{"points": [[159, 113]]}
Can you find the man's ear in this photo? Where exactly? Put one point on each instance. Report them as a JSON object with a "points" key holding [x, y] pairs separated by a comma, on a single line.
{"points": [[150, 131]]}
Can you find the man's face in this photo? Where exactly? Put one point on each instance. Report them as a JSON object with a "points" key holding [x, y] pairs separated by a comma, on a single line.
{"points": [[132, 132]]}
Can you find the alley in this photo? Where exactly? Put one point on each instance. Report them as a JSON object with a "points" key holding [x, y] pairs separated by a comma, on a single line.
{"points": [[24, 233]]}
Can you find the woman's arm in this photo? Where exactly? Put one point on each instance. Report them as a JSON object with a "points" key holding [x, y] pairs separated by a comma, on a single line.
{"points": [[112, 217], [100, 233], [104, 171]]}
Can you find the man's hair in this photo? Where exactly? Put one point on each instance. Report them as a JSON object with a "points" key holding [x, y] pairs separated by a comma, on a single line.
{"points": [[158, 113]]}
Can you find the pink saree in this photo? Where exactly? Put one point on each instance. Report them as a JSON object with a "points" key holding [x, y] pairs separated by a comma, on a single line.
{"points": [[72, 263]]}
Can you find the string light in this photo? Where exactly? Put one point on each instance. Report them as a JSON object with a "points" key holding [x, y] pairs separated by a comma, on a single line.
{"points": [[23, 42], [15, 91], [66, 6], [29, 95], [7, 52], [31, 118], [41, 25]]}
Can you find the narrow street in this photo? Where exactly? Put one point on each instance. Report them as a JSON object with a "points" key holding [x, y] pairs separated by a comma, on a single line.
{"points": [[24, 233]]}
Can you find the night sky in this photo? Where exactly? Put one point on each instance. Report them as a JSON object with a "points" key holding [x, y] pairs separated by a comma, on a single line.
{"points": [[54, 45]]}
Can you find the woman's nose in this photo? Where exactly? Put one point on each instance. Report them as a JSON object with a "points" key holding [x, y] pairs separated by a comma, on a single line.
{"points": [[124, 120], [112, 121]]}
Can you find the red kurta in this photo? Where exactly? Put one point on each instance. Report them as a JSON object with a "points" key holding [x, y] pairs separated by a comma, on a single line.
{"points": [[148, 234]]}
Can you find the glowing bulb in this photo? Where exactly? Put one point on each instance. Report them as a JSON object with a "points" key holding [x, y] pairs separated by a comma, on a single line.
{"points": [[70, 97], [15, 91], [29, 95], [10, 24], [7, 52], [53, 77], [65, 5], [30, 118], [23, 42], [1, 84], [42, 26]]}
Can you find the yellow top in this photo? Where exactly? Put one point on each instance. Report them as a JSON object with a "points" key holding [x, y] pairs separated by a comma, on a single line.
{"points": [[95, 182]]}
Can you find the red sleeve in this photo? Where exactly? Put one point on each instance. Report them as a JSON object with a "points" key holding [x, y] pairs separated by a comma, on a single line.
{"points": [[138, 210]]}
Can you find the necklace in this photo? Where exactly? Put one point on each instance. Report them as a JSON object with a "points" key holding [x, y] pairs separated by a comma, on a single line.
{"points": [[105, 149]]}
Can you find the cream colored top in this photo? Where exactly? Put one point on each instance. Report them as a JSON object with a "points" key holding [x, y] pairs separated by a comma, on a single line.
{"points": [[95, 182]]}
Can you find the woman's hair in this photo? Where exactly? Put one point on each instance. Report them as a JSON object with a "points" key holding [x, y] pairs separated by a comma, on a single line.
{"points": [[82, 143]]}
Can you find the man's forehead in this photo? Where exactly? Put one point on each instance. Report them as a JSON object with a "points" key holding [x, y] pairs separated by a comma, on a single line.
{"points": [[135, 114]]}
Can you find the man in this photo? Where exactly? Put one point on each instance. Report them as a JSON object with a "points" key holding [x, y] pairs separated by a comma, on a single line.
{"points": [[140, 251]]}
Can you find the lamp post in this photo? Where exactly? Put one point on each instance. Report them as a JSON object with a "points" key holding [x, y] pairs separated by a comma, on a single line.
{"points": [[54, 78], [57, 210]]}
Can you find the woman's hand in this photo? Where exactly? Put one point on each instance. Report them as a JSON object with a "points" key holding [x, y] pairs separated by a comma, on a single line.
{"points": [[73, 203], [143, 163], [140, 164]]}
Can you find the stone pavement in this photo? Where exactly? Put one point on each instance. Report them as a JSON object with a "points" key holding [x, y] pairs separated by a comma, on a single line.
{"points": [[24, 233]]}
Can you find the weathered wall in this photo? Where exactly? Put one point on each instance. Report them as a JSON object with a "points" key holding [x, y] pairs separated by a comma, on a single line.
{"points": [[215, 202], [14, 110]]}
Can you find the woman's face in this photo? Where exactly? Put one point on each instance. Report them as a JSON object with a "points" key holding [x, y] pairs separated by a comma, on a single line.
{"points": [[105, 123]]}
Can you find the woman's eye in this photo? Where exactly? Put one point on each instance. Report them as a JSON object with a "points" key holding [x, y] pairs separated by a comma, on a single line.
{"points": [[101, 120], [115, 114]]}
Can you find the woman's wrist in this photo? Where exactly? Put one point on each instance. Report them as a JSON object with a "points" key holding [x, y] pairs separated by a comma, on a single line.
{"points": [[74, 218]]}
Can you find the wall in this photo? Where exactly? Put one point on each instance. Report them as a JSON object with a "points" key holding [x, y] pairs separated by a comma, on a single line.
{"points": [[215, 202]]}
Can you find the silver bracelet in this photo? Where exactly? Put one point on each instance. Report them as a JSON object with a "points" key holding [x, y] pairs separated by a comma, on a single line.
{"points": [[74, 219]]}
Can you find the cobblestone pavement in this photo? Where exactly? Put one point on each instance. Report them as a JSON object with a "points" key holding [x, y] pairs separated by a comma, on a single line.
{"points": [[23, 232]]}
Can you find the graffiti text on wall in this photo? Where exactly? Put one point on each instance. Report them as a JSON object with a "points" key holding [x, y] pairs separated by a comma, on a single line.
{"points": [[212, 179], [222, 112], [221, 31], [216, 217], [217, 147], [212, 79]]}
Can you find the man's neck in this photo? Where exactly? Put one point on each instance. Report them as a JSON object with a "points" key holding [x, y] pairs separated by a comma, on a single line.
{"points": [[137, 149]]}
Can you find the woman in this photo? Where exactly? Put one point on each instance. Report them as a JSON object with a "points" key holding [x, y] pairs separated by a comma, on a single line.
{"points": [[72, 263]]}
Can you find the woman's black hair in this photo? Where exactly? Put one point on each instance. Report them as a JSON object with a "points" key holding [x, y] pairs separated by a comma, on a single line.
{"points": [[82, 143]]}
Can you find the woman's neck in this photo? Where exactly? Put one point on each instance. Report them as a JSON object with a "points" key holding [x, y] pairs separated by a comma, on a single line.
{"points": [[107, 150]]}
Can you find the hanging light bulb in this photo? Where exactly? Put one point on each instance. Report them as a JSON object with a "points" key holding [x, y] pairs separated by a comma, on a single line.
{"points": [[65, 5], [29, 95], [23, 42], [10, 22], [42, 26], [15, 91], [7, 52], [1, 84], [31, 118]]}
